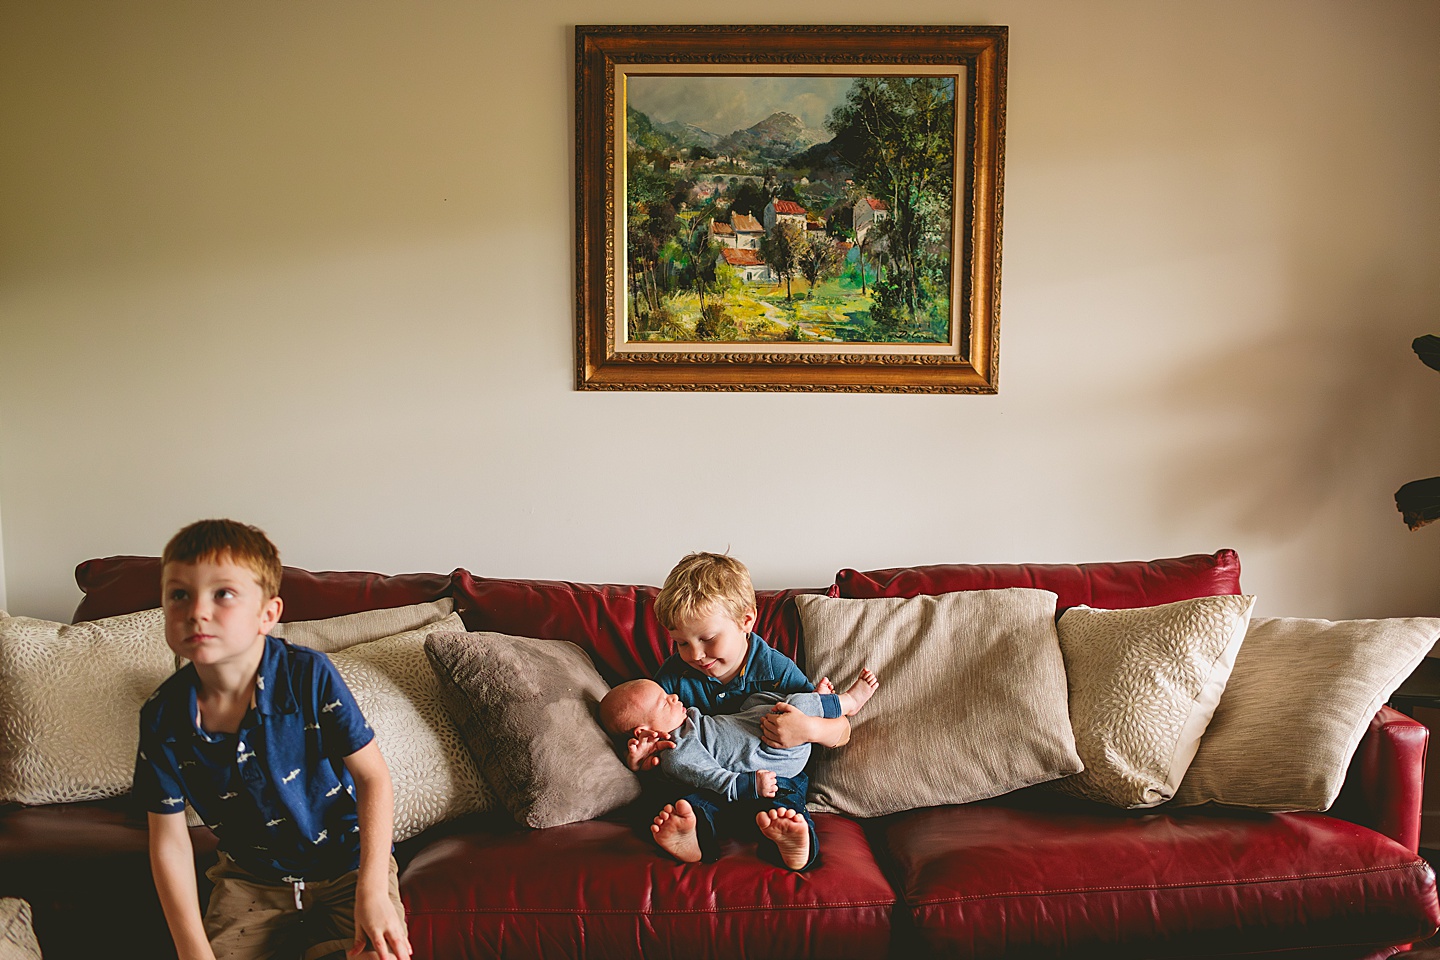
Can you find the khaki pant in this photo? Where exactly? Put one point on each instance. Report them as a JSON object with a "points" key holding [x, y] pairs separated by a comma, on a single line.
{"points": [[254, 919]]}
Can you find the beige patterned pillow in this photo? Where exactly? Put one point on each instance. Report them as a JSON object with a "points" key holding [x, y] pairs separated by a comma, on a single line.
{"points": [[1301, 696], [70, 698], [435, 779], [972, 700], [529, 712], [17, 936], [1143, 686], [339, 633]]}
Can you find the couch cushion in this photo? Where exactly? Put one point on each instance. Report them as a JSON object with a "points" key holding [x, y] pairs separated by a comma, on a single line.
{"points": [[1302, 695], [527, 710], [70, 698], [1038, 878], [602, 889], [116, 585], [433, 775], [1111, 586], [85, 870], [1143, 685], [614, 623], [972, 700]]}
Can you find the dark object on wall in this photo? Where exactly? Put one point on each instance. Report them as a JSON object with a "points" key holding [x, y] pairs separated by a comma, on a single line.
{"points": [[1419, 500]]}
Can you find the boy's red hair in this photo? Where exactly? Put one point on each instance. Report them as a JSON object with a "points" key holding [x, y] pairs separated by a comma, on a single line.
{"points": [[231, 540]]}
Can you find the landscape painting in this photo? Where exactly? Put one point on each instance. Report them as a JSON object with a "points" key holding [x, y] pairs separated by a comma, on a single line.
{"points": [[789, 208]]}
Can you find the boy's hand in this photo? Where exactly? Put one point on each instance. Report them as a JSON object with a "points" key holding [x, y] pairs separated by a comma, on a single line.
{"points": [[765, 783], [378, 930], [643, 750], [786, 725]]}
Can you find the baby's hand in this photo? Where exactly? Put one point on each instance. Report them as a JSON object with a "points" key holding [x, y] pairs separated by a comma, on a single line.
{"points": [[765, 783], [643, 750]]}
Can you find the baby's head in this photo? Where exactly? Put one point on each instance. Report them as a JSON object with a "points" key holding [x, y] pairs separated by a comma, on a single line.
{"points": [[707, 606], [640, 703]]}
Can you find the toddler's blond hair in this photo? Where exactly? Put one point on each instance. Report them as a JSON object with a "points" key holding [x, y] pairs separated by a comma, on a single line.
{"points": [[701, 583]]}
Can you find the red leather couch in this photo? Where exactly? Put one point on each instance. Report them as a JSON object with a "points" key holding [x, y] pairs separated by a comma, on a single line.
{"points": [[1031, 874]]}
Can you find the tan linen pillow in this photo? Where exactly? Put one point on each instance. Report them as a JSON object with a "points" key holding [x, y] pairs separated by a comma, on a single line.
{"points": [[1302, 694], [972, 700], [529, 712], [435, 779], [338, 633], [17, 936], [70, 698], [1143, 686]]}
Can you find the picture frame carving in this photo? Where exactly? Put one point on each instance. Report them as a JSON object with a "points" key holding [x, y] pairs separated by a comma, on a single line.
{"points": [[874, 263]]}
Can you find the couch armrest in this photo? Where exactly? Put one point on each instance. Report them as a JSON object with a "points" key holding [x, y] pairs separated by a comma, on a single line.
{"points": [[1386, 778]]}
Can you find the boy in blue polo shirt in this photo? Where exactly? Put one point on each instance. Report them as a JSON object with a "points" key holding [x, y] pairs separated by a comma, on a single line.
{"points": [[265, 741], [707, 605]]}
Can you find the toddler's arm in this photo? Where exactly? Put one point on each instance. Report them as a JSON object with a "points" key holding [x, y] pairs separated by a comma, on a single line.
{"points": [[172, 861], [375, 917]]}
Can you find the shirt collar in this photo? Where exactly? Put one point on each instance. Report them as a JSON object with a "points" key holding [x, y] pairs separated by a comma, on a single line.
{"points": [[272, 685]]}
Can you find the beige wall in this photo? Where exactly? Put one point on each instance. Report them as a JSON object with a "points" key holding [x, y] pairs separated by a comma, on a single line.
{"points": [[311, 265]]}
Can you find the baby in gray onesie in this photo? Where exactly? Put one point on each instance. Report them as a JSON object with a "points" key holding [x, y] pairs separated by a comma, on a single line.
{"points": [[720, 753]]}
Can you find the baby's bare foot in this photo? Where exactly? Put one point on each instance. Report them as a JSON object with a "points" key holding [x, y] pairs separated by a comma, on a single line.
{"points": [[788, 831], [824, 686], [674, 830], [859, 693]]}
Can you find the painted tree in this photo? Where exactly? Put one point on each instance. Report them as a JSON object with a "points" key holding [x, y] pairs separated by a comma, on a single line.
{"points": [[818, 257], [780, 249], [898, 134]]}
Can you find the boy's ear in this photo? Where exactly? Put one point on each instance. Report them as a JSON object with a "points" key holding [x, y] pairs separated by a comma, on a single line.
{"points": [[270, 613], [747, 622]]}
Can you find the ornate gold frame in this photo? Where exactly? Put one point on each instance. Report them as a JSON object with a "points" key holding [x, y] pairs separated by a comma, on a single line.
{"points": [[971, 365]]}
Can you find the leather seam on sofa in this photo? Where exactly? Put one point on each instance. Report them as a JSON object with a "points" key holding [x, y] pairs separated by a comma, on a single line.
{"points": [[572, 912], [1417, 867]]}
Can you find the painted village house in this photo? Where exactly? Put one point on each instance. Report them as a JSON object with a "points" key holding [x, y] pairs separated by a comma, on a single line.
{"points": [[868, 212], [784, 211], [747, 265]]}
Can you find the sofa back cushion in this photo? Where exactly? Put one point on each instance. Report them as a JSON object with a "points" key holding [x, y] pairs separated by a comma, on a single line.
{"points": [[119, 585], [614, 623], [1108, 586]]}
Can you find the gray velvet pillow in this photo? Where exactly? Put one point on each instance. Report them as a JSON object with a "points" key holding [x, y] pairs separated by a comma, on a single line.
{"points": [[528, 711]]}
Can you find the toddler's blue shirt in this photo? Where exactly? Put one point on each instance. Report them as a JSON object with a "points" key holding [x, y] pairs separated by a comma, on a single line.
{"points": [[276, 793]]}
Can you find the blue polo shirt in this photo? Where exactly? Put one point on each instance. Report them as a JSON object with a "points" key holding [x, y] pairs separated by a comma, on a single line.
{"points": [[766, 670], [276, 793]]}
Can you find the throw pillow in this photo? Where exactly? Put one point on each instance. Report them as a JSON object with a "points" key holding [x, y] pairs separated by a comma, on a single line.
{"points": [[1301, 696], [1143, 686], [972, 700], [70, 698], [17, 936], [528, 710], [434, 777], [339, 633]]}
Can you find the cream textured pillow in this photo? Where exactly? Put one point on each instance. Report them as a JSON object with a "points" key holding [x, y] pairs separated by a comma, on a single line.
{"points": [[435, 779], [339, 633], [70, 698], [1301, 696], [1143, 686], [529, 712], [972, 700], [17, 936]]}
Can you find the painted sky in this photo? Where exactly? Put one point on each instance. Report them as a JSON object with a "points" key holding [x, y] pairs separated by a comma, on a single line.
{"points": [[723, 105]]}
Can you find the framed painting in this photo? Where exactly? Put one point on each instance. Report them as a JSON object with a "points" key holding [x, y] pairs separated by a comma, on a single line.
{"points": [[789, 207]]}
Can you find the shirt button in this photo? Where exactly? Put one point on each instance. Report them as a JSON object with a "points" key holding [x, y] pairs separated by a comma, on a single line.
{"points": [[241, 746]]}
